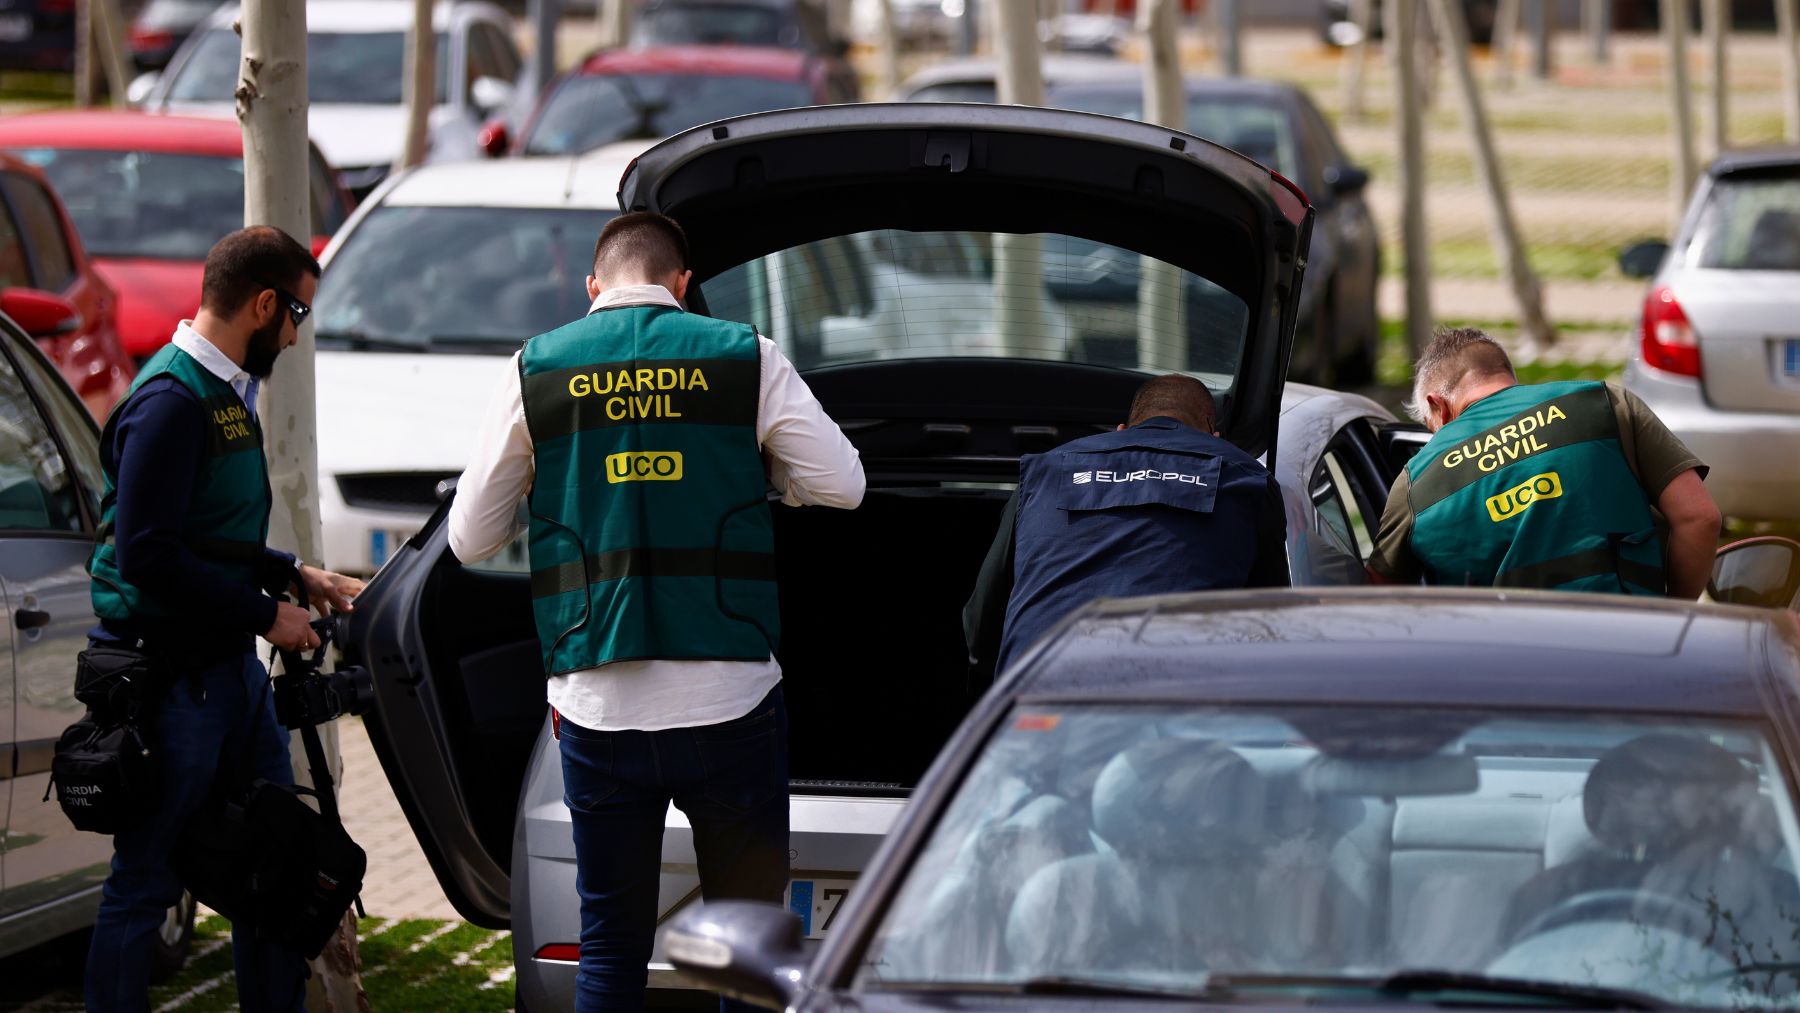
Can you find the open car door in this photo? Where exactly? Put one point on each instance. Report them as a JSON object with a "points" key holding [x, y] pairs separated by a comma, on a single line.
{"points": [[962, 285]]}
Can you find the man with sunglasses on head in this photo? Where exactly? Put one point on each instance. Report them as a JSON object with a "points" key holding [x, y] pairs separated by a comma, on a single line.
{"points": [[182, 573]]}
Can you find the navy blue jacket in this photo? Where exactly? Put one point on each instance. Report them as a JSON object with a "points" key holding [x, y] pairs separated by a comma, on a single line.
{"points": [[1157, 508]]}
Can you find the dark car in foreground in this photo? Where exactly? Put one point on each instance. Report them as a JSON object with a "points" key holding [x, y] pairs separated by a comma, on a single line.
{"points": [[1360, 798]]}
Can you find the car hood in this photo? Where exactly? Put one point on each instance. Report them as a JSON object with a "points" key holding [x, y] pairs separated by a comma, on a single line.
{"points": [[154, 296], [750, 186], [383, 411], [349, 136]]}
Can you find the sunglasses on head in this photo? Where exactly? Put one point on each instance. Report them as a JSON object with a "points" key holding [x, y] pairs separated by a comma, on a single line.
{"points": [[297, 310]]}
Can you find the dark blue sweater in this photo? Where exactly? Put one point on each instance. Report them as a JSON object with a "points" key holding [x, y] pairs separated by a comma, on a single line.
{"points": [[156, 452]]}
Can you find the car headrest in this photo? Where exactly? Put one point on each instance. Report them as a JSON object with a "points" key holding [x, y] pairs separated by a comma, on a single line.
{"points": [[1179, 799], [1662, 792], [1774, 242]]}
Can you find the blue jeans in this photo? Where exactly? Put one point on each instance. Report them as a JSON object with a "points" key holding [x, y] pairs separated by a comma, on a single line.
{"points": [[216, 729], [731, 781]]}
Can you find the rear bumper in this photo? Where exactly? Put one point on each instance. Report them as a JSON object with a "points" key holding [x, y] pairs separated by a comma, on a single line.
{"points": [[1754, 456]]}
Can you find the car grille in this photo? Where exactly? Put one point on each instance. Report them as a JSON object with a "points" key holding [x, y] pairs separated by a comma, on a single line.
{"points": [[406, 491]]}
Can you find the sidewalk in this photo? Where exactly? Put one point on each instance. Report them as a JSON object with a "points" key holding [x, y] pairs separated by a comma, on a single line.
{"points": [[399, 883]]}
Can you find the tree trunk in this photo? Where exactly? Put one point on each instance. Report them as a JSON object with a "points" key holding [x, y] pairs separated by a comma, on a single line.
{"points": [[1019, 321], [888, 44], [1598, 18], [1506, 38], [1543, 38], [1231, 37], [1509, 248], [420, 84], [1356, 61], [1681, 119], [543, 15], [100, 53], [271, 105], [1790, 68], [1718, 33], [1402, 31], [1161, 308], [615, 23]]}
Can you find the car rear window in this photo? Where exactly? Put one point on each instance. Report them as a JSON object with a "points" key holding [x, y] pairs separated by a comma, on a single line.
{"points": [[1292, 850], [146, 204], [589, 111], [341, 67], [694, 24], [893, 294], [457, 279], [1751, 222], [1260, 130]]}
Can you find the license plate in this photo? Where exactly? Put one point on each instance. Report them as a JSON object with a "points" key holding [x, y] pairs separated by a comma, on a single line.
{"points": [[1790, 359], [15, 27], [383, 544], [817, 902]]}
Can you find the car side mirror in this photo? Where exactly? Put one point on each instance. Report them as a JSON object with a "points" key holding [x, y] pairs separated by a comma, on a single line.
{"points": [[1764, 572], [744, 949], [1640, 260], [40, 314], [490, 93], [1346, 180], [493, 139], [138, 91]]}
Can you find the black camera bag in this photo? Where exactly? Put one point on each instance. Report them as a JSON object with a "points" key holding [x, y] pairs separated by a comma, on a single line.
{"points": [[103, 772], [266, 860]]}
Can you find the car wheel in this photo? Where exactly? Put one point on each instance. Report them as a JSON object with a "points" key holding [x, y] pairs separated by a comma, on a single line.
{"points": [[173, 940]]}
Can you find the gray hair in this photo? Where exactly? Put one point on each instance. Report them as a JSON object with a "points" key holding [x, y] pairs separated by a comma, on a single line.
{"points": [[1455, 354]]}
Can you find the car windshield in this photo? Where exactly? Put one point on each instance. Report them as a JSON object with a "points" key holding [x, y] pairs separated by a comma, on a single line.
{"points": [[892, 294], [1751, 222], [1193, 849], [458, 279], [1260, 130], [341, 67], [146, 204], [175, 13], [590, 111], [692, 24]]}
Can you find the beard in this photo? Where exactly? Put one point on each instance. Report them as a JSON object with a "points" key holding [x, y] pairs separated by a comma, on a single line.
{"points": [[265, 345]]}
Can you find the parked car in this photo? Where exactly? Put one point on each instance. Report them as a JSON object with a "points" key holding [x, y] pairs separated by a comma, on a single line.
{"points": [[649, 94], [150, 195], [433, 281], [40, 250], [355, 53], [50, 489], [800, 25], [1338, 27], [1718, 354], [162, 26], [939, 423], [1290, 798], [1273, 122], [37, 35]]}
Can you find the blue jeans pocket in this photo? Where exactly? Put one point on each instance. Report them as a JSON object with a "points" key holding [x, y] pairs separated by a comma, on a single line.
{"points": [[742, 760], [587, 763]]}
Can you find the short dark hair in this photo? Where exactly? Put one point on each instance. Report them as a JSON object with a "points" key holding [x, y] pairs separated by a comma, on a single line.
{"points": [[640, 243], [248, 261], [1177, 396], [1456, 354]]}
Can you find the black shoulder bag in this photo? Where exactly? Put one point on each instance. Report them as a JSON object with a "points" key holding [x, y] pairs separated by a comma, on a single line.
{"points": [[103, 772]]}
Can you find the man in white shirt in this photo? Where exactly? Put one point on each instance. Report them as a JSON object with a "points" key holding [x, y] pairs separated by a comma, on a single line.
{"points": [[646, 438]]}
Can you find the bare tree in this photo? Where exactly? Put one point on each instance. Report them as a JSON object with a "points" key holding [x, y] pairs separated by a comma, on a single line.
{"points": [[1362, 14], [1161, 310], [100, 52], [271, 105], [1509, 248], [615, 23], [888, 46], [1409, 113], [420, 85], [1018, 260], [1718, 32], [1231, 38], [1597, 19], [1790, 68], [1506, 38], [1681, 120]]}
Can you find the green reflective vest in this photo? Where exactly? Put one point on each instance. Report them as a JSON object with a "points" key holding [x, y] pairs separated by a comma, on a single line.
{"points": [[1529, 488], [650, 528], [228, 518]]}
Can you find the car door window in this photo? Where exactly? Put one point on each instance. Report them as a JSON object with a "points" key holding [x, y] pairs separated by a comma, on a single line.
{"points": [[478, 62], [501, 58], [327, 209], [38, 491], [1341, 518], [43, 229], [74, 427], [15, 271]]}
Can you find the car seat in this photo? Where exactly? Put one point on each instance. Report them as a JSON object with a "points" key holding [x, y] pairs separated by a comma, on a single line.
{"points": [[1774, 242]]}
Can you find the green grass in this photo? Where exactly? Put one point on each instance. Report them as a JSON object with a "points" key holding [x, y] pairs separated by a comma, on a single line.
{"points": [[1393, 368], [1524, 170], [1475, 259]]}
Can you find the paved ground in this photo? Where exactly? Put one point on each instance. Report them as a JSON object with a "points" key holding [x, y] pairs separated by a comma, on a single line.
{"points": [[399, 883]]}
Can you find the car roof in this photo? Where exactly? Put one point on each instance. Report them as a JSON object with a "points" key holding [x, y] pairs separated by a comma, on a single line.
{"points": [[736, 61], [1057, 70], [360, 15], [1754, 158], [124, 130], [1467, 647], [590, 181]]}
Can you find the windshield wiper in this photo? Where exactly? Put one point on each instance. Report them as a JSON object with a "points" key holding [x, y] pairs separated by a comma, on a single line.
{"points": [[1432, 984], [363, 341]]}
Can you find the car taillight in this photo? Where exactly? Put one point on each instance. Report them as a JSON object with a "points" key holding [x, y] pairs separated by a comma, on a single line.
{"points": [[570, 952], [1669, 341], [150, 38], [57, 6]]}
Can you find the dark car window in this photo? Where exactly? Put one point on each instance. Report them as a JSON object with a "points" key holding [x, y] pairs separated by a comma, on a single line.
{"points": [[37, 487], [457, 279], [709, 24], [15, 270], [146, 204], [80, 438], [498, 59], [341, 67], [1751, 222], [587, 112], [1254, 127], [1280, 855], [1341, 516], [54, 263], [328, 211]]}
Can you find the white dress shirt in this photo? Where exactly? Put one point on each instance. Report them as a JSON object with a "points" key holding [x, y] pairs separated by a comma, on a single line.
{"points": [[811, 463], [216, 362]]}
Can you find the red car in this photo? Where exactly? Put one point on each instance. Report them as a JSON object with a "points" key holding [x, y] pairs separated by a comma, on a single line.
{"points": [[652, 93], [54, 292], [150, 195]]}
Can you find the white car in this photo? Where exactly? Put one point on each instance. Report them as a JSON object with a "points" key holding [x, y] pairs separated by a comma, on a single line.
{"points": [[427, 289], [355, 52]]}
